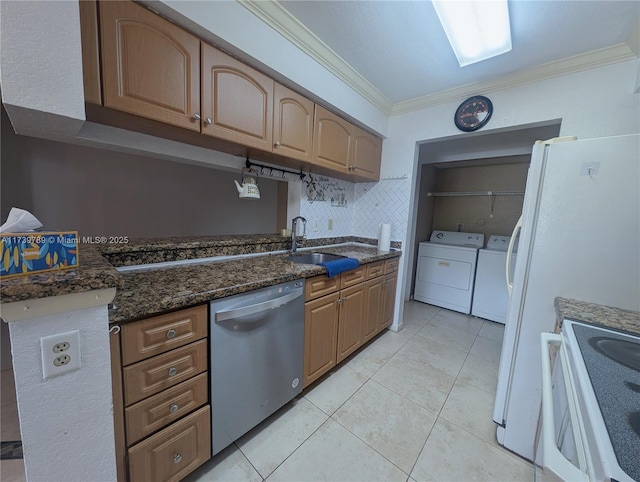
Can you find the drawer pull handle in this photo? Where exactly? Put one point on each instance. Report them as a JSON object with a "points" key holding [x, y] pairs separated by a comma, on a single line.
{"points": [[171, 333], [173, 408], [177, 458], [443, 263], [173, 371]]}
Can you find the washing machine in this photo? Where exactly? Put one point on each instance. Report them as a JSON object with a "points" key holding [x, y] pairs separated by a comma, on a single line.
{"points": [[446, 269], [491, 298]]}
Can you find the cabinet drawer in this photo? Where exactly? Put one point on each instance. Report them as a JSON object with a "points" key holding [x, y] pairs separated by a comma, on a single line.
{"points": [[148, 377], [375, 269], [159, 334], [391, 265], [353, 277], [319, 286], [157, 412], [174, 452]]}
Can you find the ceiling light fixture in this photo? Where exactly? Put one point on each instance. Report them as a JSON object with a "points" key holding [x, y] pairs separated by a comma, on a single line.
{"points": [[476, 29]]}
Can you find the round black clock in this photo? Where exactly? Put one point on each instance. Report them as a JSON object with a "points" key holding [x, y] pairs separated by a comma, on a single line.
{"points": [[473, 113]]}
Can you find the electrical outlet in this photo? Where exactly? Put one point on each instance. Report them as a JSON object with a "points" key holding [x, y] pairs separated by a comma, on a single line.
{"points": [[330, 225], [60, 353]]}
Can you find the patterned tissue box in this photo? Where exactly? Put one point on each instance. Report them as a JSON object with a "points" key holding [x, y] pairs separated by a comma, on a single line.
{"points": [[29, 253]]}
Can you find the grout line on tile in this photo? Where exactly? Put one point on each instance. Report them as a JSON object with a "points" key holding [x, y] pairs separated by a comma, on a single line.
{"points": [[248, 460], [373, 448], [296, 449]]}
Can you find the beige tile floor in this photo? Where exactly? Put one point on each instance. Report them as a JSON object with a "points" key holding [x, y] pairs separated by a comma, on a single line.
{"points": [[411, 406]]}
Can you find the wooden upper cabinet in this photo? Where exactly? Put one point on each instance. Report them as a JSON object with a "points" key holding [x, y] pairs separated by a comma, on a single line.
{"points": [[333, 141], [366, 156], [237, 101], [150, 66], [292, 124], [90, 51]]}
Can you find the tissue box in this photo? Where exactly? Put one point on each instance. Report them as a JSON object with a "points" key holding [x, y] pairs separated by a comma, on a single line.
{"points": [[29, 253]]}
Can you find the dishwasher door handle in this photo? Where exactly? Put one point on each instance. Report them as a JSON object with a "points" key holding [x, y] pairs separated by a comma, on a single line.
{"points": [[258, 307]]}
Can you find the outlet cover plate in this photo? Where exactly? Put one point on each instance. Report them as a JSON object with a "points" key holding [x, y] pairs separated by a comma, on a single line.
{"points": [[53, 347]]}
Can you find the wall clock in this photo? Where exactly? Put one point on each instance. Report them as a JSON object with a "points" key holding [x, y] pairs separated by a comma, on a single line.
{"points": [[473, 113]]}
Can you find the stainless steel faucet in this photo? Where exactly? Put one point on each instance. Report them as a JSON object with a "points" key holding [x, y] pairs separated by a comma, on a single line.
{"points": [[294, 235]]}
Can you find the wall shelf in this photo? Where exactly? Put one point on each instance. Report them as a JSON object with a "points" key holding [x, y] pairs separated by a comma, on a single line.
{"points": [[475, 193]]}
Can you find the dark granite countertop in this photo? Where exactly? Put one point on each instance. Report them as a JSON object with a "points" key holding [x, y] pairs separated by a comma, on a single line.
{"points": [[154, 291], [93, 273], [607, 316]]}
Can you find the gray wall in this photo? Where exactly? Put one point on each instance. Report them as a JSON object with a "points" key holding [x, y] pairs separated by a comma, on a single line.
{"points": [[475, 213], [106, 193]]}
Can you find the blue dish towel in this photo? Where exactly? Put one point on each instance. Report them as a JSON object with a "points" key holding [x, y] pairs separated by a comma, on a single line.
{"points": [[337, 266]]}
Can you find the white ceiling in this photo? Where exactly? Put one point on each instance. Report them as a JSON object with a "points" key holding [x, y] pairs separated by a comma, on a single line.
{"points": [[399, 52]]}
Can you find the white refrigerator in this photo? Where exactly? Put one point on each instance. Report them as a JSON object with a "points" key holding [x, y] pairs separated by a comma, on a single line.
{"points": [[580, 239]]}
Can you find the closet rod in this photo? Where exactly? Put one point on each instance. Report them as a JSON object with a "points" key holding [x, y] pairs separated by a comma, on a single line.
{"points": [[475, 193]]}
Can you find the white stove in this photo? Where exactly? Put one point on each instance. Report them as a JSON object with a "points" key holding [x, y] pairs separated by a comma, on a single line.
{"points": [[591, 405]]}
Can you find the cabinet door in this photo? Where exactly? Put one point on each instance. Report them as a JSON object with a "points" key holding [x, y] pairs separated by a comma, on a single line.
{"points": [[320, 329], [150, 66], [292, 124], [350, 320], [171, 454], [367, 155], [389, 299], [90, 51], [332, 141], [373, 300], [237, 101]]}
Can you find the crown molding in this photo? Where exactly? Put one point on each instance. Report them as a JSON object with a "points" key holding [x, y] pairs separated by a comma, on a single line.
{"points": [[570, 65], [278, 18]]}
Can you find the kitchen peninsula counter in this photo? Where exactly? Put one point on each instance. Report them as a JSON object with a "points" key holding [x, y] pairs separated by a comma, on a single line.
{"points": [[607, 316], [154, 291], [93, 273]]}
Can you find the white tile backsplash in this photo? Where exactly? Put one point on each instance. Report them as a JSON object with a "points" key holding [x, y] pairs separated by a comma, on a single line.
{"points": [[386, 201], [337, 206], [365, 207]]}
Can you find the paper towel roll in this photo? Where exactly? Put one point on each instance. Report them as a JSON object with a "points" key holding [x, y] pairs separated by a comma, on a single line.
{"points": [[384, 237]]}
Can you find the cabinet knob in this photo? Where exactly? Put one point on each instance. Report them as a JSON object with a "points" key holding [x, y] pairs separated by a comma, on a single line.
{"points": [[177, 458], [173, 371], [277, 144], [173, 408], [208, 121], [171, 333], [196, 116]]}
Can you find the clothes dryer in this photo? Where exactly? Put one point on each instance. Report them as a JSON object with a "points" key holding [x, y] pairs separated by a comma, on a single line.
{"points": [[446, 269], [491, 298]]}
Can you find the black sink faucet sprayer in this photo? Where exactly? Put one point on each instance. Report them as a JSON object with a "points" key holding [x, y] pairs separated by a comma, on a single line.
{"points": [[295, 244]]}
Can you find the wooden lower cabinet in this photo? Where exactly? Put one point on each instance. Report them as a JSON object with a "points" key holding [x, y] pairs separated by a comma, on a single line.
{"points": [[388, 299], [174, 452], [161, 410], [320, 327], [350, 320], [338, 322], [372, 320]]}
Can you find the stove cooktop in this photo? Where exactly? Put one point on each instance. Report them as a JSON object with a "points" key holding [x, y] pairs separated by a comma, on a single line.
{"points": [[612, 360]]}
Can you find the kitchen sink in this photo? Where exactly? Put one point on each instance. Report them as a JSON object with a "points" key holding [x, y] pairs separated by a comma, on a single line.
{"points": [[312, 258]]}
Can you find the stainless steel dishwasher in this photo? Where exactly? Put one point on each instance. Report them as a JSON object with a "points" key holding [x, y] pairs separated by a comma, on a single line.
{"points": [[256, 343]]}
